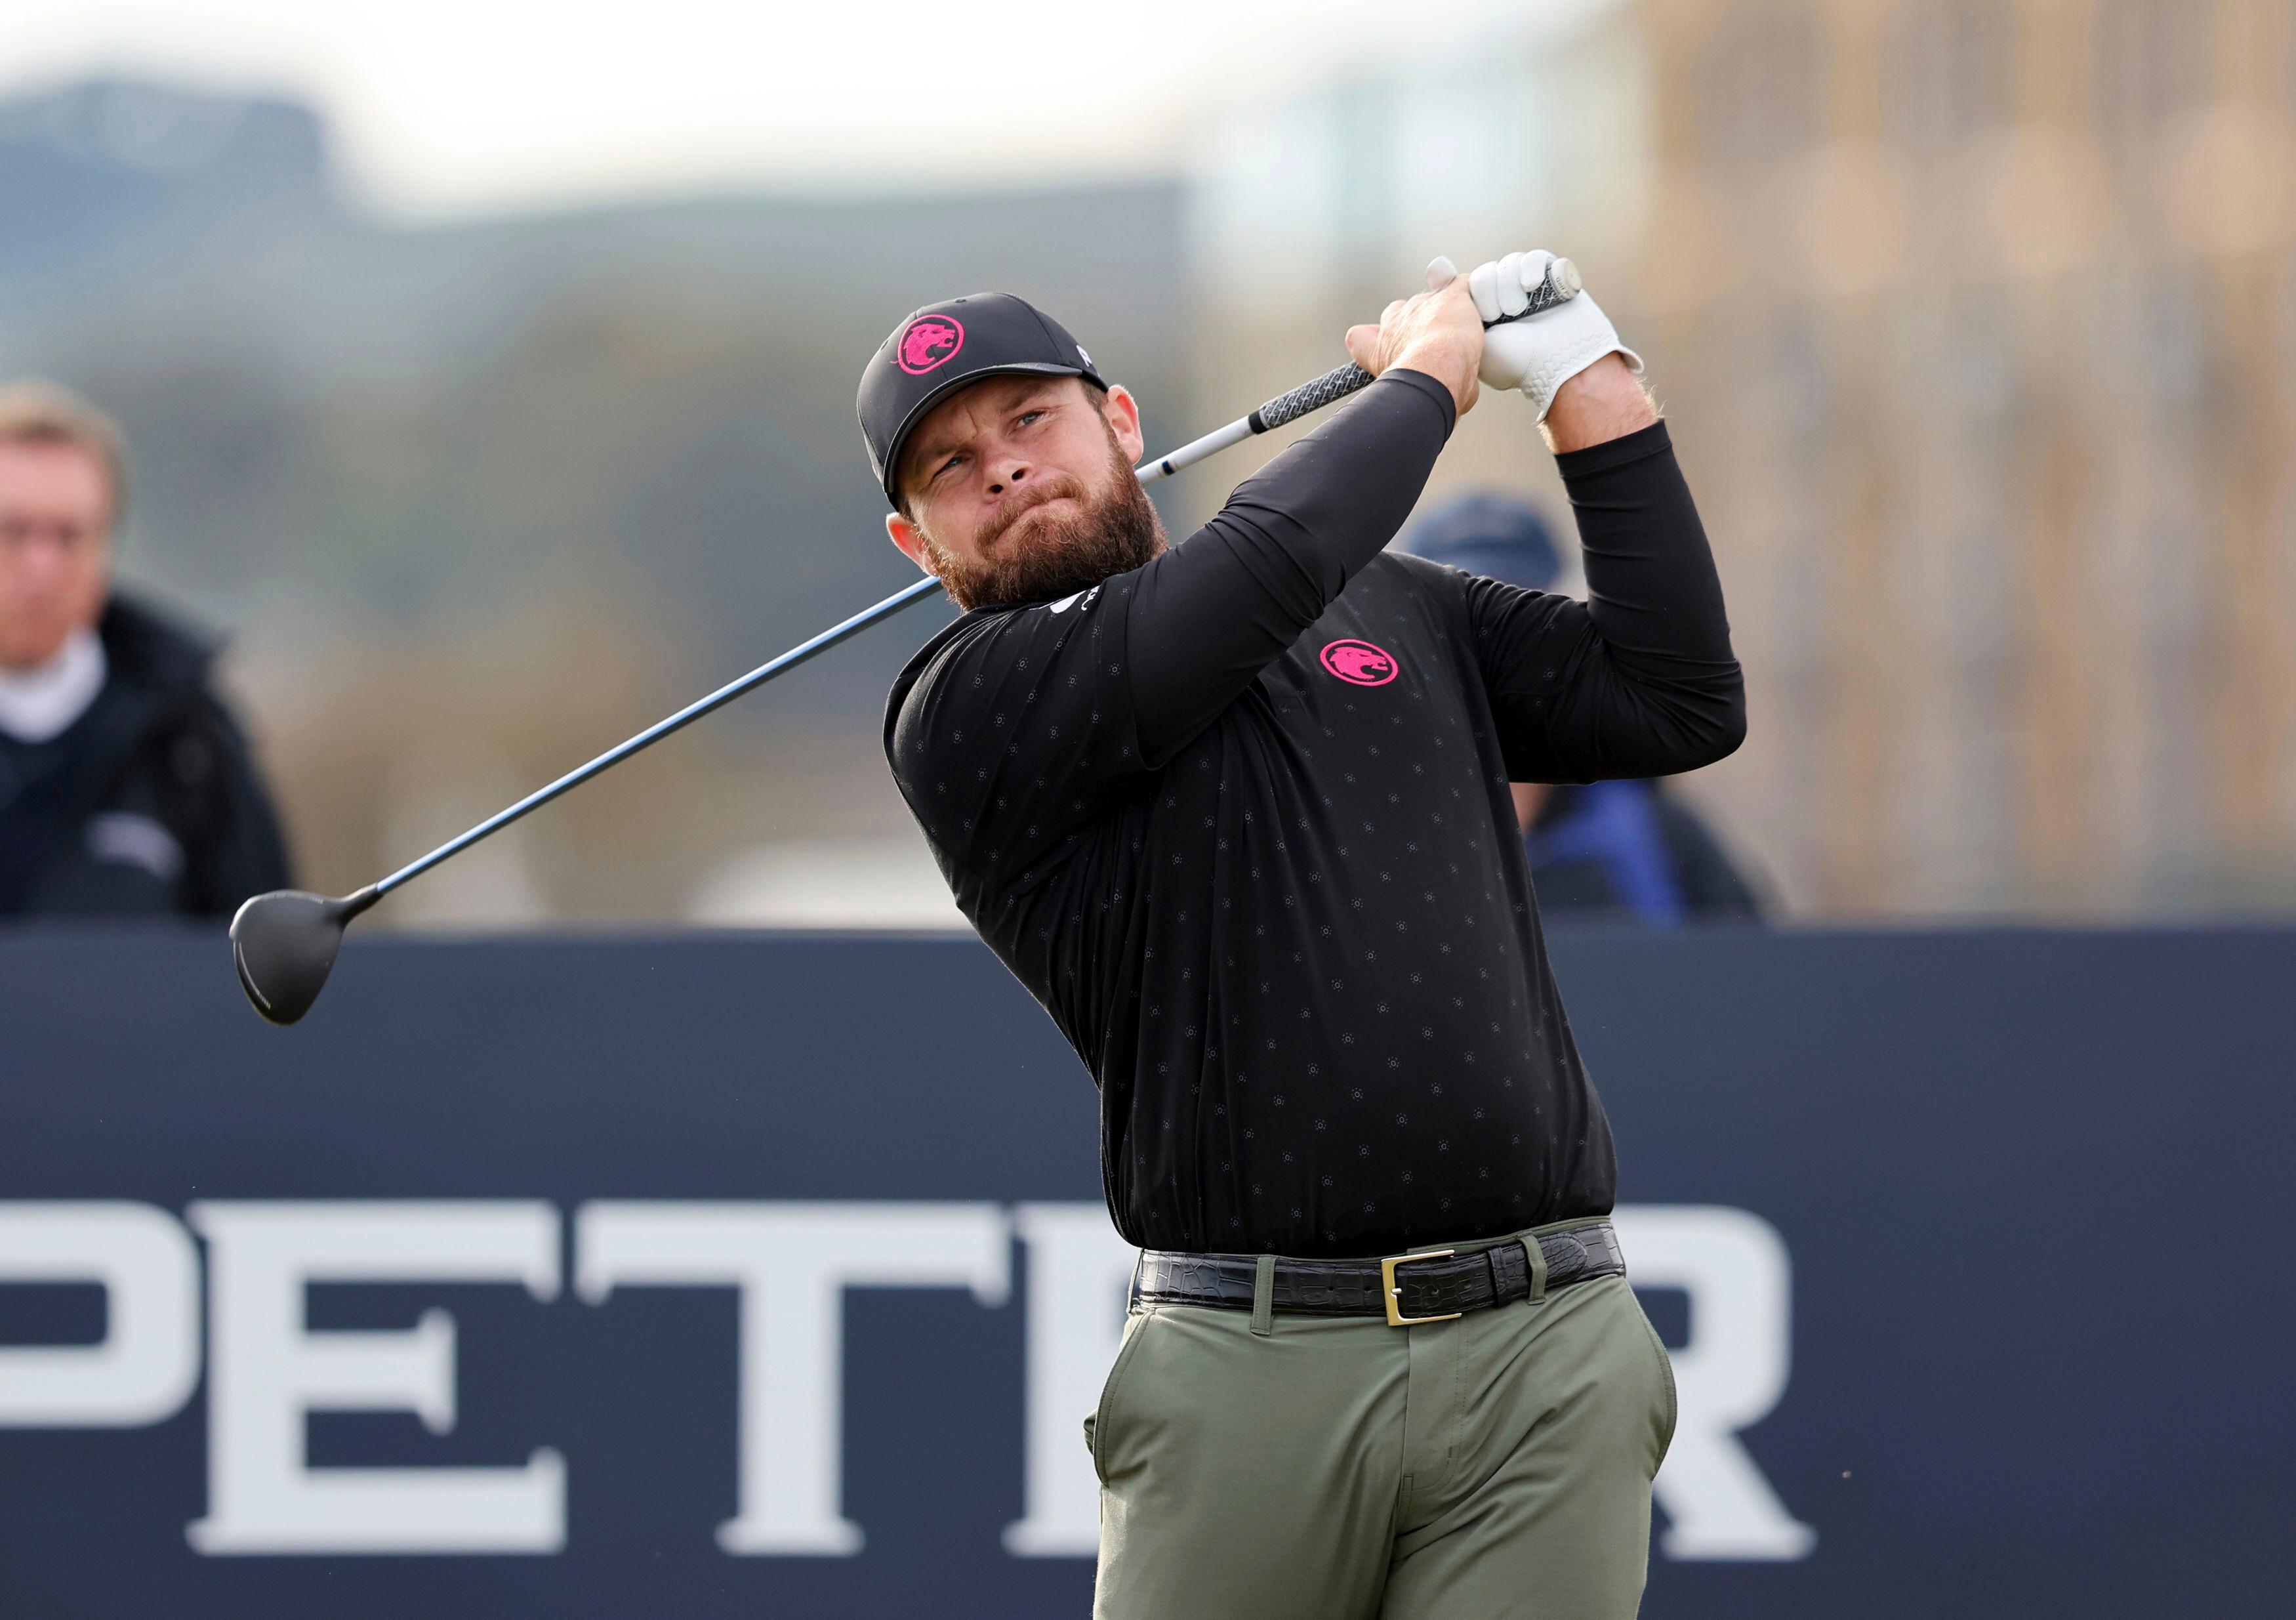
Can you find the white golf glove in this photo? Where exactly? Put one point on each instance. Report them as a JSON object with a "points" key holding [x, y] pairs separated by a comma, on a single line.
{"points": [[1540, 354]]}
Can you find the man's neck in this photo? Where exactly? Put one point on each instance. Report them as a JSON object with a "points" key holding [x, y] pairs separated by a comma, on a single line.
{"points": [[41, 700]]}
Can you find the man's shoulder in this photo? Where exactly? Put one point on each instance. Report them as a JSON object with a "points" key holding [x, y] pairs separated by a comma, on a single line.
{"points": [[999, 641], [929, 668], [1396, 583], [155, 648], [1400, 570], [160, 690], [1399, 564]]}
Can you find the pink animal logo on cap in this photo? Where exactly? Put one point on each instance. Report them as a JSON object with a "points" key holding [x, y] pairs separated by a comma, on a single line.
{"points": [[1360, 663], [930, 341]]}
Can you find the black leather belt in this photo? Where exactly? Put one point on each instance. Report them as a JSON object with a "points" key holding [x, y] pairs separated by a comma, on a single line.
{"points": [[1433, 1286]]}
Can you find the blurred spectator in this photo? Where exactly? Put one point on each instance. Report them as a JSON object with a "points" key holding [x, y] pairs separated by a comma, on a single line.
{"points": [[1626, 850], [126, 788]]}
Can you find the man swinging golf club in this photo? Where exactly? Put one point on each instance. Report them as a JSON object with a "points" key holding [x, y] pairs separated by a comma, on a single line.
{"points": [[1236, 811]]}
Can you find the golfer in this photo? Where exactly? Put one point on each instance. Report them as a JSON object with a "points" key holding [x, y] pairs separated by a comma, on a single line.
{"points": [[1236, 811]]}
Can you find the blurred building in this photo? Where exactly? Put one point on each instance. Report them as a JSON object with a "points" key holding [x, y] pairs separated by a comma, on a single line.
{"points": [[1979, 324]]}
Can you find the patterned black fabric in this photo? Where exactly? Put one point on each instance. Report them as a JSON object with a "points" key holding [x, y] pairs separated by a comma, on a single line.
{"points": [[1240, 819]]}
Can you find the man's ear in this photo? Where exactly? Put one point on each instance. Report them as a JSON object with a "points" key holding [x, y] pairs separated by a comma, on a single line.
{"points": [[1123, 414], [909, 538]]}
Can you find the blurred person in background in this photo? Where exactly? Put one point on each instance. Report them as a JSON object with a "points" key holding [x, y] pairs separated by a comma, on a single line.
{"points": [[126, 787], [1617, 851]]}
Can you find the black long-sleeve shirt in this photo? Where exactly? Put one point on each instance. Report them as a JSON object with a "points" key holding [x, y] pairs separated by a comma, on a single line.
{"points": [[1239, 820], [149, 803]]}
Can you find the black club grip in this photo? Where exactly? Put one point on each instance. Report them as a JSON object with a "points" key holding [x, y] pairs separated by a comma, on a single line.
{"points": [[1336, 384]]}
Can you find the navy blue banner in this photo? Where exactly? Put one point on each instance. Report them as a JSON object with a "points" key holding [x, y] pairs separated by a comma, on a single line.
{"points": [[756, 1275]]}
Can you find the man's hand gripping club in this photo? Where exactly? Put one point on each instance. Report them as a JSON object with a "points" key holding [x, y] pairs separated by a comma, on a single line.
{"points": [[1567, 361], [1436, 331]]}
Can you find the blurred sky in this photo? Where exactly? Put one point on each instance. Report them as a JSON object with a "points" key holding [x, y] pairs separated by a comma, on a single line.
{"points": [[447, 107]]}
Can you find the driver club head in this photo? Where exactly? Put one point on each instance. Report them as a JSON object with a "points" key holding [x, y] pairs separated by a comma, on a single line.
{"points": [[283, 944]]}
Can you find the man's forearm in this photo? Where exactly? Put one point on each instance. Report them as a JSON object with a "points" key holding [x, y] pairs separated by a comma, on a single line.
{"points": [[1605, 401], [1210, 613]]}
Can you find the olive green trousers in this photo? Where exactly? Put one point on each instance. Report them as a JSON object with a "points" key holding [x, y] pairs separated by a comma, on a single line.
{"points": [[1338, 1469]]}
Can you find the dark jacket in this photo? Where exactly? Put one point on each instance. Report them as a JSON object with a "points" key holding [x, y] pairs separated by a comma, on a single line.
{"points": [[148, 805], [1631, 850]]}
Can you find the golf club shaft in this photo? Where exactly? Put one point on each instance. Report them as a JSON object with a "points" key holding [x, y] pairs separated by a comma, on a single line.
{"points": [[660, 729], [1561, 282]]}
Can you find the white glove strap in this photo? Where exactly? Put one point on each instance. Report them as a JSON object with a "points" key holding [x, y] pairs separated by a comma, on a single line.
{"points": [[1541, 353], [1577, 334]]}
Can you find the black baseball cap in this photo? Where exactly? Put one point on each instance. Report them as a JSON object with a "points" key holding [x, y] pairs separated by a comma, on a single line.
{"points": [[940, 348]]}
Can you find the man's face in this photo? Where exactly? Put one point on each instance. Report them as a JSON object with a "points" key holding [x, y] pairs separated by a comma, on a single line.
{"points": [[56, 547], [1022, 490]]}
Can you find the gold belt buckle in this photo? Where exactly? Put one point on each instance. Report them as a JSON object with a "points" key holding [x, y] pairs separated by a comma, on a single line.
{"points": [[1394, 1292]]}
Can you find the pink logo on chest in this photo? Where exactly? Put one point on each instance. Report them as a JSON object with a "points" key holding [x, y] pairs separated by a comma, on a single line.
{"points": [[1360, 663]]}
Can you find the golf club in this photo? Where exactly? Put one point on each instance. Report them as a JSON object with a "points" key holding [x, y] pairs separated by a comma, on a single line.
{"points": [[1561, 282], [283, 943]]}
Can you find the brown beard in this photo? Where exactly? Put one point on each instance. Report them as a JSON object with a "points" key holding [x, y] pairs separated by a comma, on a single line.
{"points": [[1113, 531]]}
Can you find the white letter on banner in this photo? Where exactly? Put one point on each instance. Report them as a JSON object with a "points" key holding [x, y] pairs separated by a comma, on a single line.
{"points": [[1078, 1270], [268, 1372], [149, 1360], [1733, 1266], [792, 1263]]}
